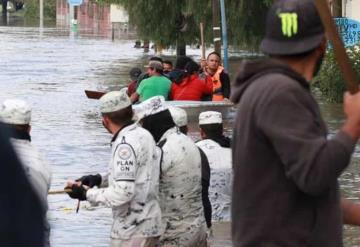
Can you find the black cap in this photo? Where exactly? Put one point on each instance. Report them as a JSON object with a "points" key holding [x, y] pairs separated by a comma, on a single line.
{"points": [[292, 27]]}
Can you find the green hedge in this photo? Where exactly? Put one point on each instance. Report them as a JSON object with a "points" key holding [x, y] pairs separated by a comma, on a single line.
{"points": [[330, 80]]}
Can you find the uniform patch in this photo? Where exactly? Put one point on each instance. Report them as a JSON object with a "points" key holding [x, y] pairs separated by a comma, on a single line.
{"points": [[124, 152], [124, 163]]}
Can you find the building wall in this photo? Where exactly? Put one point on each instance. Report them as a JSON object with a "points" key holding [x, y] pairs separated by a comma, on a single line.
{"points": [[351, 9]]}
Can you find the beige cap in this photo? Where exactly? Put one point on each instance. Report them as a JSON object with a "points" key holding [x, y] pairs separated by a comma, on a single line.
{"points": [[15, 111], [157, 65], [179, 116], [210, 117], [150, 107], [114, 101]]}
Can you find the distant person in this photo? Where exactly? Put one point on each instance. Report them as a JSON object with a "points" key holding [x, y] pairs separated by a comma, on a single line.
{"points": [[191, 87], [221, 80], [16, 114], [157, 84], [134, 75], [131, 186], [145, 74], [177, 74], [21, 211], [168, 67], [286, 167], [180, 177], [217, 150]]}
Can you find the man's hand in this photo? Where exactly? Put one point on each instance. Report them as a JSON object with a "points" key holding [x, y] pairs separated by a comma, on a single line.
{"points": [[90, 180], [77, 191], [203, 64]]}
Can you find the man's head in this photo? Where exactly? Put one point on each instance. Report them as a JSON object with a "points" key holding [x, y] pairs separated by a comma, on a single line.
{"points": [[155, 116], [192, 67], [181, 61], [180, 118], [168, 66], [135, 73], [295, 34], [211, 124], [293, 27], [213, 61], [17, 113], [116, 110], [154, 68]]}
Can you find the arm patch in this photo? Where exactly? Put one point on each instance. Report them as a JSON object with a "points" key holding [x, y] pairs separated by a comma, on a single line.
{"points": [[124, 163]]}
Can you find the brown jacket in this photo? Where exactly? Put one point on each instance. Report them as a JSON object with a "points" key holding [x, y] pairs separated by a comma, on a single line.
{"points": [[285, 168]]}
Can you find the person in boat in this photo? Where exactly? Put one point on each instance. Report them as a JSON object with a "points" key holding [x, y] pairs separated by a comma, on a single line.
{"points": [[131, 187], [16, 114], [192, 86], [21, 210], [286, 168], [145, 74], [221, 80], [180, 177], [179, 116], [168, 67], [177, 74], [156, 84], [134, 75], [217, 150]]}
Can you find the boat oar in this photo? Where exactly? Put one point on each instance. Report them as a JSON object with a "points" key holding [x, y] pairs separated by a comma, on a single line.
{"points": [[340, 53]]}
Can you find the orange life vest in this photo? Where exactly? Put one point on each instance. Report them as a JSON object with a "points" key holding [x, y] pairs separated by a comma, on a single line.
{"points": [[217, 86]]}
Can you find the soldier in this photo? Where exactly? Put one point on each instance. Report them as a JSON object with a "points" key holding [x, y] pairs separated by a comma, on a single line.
{"points": [[131, 187], [180, 118], [218, 154], [16, 114], [180, 177]]}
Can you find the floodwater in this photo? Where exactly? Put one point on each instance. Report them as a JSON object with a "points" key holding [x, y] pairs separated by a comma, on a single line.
{"points": [[50, 67]]}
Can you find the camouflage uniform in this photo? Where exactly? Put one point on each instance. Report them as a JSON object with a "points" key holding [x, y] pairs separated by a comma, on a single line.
{"points": [[220, 179], [18, 112], [132, 190], [180, 191]]}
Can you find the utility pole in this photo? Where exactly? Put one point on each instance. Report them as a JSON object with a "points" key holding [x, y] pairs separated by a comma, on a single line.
{"points": [[41, 13], [224, 35], [216, 25]]}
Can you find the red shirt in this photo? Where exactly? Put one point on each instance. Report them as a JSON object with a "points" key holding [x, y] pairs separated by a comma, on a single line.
{"points": [[131, 88], [191, 88]]}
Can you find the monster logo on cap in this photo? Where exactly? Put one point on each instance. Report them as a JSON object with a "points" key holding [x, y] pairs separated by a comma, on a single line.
{"points": [[289, 23]]}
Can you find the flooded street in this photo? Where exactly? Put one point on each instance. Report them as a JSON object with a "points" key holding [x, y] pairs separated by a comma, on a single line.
{"points": [[50, 68]]}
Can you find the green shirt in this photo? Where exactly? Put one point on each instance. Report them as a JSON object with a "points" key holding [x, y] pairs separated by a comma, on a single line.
{"points": [[154, 86]]}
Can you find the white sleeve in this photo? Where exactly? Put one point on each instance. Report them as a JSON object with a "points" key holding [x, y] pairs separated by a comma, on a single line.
{"points": [[123, 173], [116, 195]]}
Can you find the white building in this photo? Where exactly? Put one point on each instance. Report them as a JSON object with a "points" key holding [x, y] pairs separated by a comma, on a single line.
{"points": [[351, 9]]}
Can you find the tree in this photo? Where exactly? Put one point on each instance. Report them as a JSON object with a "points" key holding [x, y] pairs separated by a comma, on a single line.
{"points": [[163, 21]]}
